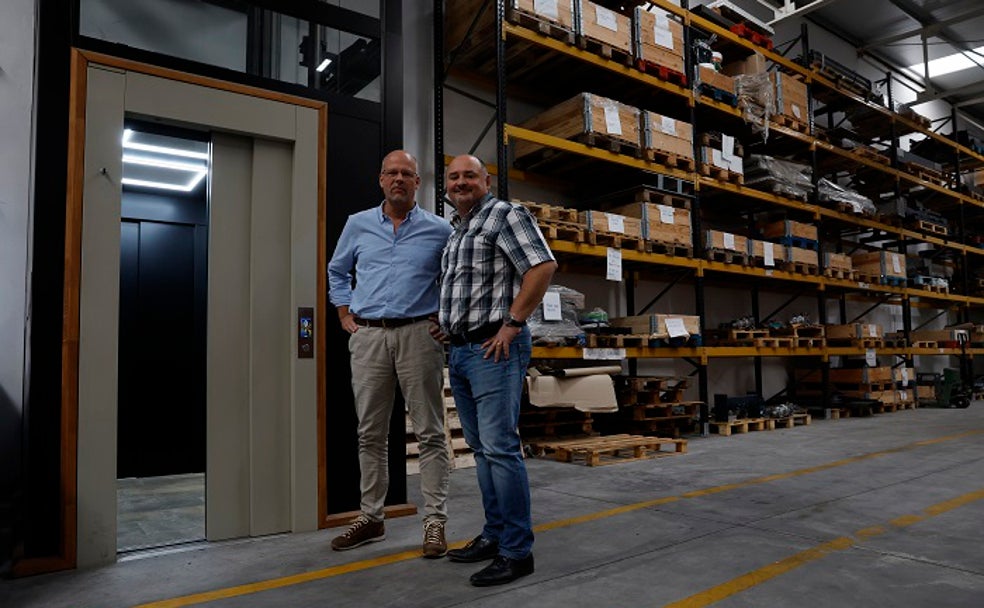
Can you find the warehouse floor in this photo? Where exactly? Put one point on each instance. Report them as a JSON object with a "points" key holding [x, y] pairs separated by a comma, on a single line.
{"points": [[877, 511]]}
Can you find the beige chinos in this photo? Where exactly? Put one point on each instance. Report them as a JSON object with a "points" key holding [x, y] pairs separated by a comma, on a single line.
{"points": [[381, 358]]}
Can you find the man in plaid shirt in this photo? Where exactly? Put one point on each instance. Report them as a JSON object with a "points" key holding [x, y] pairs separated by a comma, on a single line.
{"points": [[494, 272]]}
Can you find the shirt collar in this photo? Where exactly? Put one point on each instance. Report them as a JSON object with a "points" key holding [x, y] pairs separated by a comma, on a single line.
{"points": [[457, 219], [382, 218]]}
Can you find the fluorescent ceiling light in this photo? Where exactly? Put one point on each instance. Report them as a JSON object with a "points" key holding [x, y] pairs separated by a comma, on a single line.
{"points": [[164, 164], [323, 65], [165, 167], [164, 185], [956, 62]]}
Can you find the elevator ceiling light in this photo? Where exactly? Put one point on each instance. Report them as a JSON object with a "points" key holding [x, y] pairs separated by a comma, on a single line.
{"points": [[162, 162]]}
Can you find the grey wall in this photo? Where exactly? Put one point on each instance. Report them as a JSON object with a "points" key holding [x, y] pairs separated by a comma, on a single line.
{"points": [[17, 34]]}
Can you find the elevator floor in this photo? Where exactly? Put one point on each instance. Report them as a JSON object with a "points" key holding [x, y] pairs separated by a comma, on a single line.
{"points": [[161, 511]]}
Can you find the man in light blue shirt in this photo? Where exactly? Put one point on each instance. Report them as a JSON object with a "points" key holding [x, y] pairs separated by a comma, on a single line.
{"points": [[392, 254]]}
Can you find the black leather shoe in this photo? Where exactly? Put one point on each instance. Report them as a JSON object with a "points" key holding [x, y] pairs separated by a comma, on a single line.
{"points": [[503, 570], [478, 550]]}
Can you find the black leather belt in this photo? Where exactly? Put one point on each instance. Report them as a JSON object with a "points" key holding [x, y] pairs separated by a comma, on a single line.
{"points": [[476, 336], [389, 323]]}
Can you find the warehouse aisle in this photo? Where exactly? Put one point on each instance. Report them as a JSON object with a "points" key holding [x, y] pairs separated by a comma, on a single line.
{"points": [[877, 511]]}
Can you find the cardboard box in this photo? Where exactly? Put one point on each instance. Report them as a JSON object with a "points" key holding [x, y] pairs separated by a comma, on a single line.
{"points": [[880, 263], [854, 331], [718, 80], [660, 222], [584, 113], [726, 241], [605, 25], [791, 98], [667, 134], [586, 393], [753, 64], [657, 38], [789, 228], [611, 221]]}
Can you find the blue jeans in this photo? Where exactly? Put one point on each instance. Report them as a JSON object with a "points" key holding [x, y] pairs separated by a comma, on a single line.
{"points": [[487, 396]]}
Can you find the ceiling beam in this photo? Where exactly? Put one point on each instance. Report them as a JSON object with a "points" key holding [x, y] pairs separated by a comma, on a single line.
{"points": [[926, 31]]}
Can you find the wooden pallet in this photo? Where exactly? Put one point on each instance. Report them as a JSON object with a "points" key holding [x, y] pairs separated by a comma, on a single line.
{"points": [[661, 411], [871, 154], [773, 342], [727, 256], [840, 273], [792, 123], [616, 240], [554, 422], [608, 449], [790, 421], [668, 159], [673, 249], [550, 213], [661, 72], [857, 342], [563, 231], [617, 341], [802, 268], [931, 227], [539, 24], [747, 31], [723, 175], [744, 425], [618, 55], [610, 143]]}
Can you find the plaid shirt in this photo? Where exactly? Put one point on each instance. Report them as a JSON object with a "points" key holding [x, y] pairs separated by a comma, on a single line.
{"points": [[484, 262]]}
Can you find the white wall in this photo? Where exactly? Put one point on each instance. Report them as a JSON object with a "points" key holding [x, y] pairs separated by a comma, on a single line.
{"points": [[17, 40]]}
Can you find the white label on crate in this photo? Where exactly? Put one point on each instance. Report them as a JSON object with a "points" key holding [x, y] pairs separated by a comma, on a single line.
{"points": [[870, 358], [727, 147], [796, 111], [667, 125], [735, 164], [551, 306], [614, 264], [616, 223], [547, 8], [606, 18], [603, 354], [729, 241], [612, 122], [905, 375], [676, 328], [896, 267], [872, 330], [769, 254], [665, 214], [863, 285], [662, 34]]}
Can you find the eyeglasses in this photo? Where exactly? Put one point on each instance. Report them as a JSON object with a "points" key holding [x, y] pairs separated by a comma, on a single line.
{"points": [[404, 173]]}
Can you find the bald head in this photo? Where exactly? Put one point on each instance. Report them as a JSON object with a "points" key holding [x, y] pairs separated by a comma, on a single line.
{"points": [[399, 180], [467, 181]]}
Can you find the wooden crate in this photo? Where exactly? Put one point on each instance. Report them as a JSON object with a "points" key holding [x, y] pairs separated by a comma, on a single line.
{"points": [[611, 221], [854, 331], [725, 241], [861, 375], [583, 114], [837, 261], [657, 38], [716, 158], [940, 335], [791, 99], [758, 249], [655, 324], [660, 222], [600, 24], [789, 228], [667, 134], [460, 14], [880, 263], [799, 255], [712, 77]]}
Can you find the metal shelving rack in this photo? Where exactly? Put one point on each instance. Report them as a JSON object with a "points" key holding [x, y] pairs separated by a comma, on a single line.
{"points": [[698, 267]]}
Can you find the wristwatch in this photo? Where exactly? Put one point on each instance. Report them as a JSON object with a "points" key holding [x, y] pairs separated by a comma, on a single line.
{"points": [[513, 322]]}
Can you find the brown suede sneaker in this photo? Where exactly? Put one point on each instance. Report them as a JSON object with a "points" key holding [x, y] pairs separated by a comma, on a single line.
{"points": [[434, 544], [363, 530]]}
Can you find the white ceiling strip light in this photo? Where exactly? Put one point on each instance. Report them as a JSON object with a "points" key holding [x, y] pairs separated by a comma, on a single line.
{"points": [[198, 171]]}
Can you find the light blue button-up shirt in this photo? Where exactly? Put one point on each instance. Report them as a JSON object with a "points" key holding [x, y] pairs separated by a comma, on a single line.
{"points": [[397, 273]]}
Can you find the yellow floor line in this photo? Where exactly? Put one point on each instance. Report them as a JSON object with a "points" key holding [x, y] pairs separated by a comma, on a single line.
{"points": [[304, 577], [757, 577]]}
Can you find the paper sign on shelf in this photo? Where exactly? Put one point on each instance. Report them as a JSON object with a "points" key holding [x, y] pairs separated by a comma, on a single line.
{"points": [[676, 328], [606, 18], [871, 358], [729, 241], [769, 254], [612, 122], [666, 214], [603, 354], [614, 264], [547, 8], [667, 125], [661, 30], [896, 267], [551, 306], [727, 146], [616, 222]]}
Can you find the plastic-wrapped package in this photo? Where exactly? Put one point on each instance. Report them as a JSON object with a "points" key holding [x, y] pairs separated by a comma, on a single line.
{"points": [[756, 99], [831, 192], [783, 177], [567, 329]]}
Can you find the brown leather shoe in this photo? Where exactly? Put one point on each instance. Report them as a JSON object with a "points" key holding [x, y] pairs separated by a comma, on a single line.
{"points": [[434, 544], [363, 530]]}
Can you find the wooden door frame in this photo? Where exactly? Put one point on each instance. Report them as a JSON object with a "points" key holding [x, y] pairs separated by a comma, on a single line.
{"points": [[80, 62]]}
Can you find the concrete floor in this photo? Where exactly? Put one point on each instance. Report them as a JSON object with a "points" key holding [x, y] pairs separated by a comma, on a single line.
{"points": [[159, 511], [879, 511]]}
